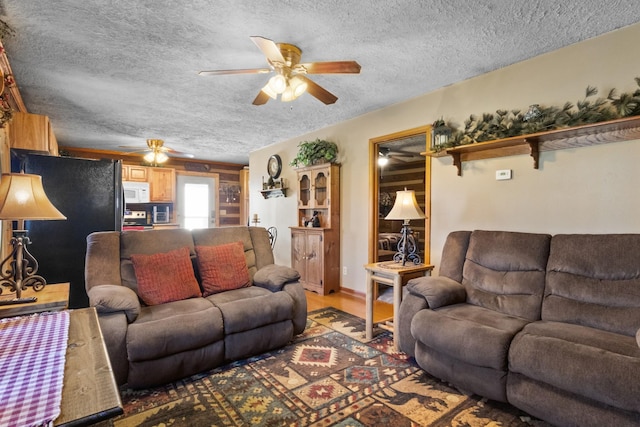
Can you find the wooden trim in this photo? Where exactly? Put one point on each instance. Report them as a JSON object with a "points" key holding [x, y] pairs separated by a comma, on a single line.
{"points": [[175, 162], [426, 235], [374, 187], [352, 292]]}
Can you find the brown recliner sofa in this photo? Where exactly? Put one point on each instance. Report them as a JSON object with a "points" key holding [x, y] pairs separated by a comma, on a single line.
{"points": [[550, 324], [150, 345]]}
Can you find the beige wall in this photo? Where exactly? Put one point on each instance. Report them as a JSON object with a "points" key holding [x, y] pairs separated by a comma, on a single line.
{"points": [[583, 190]]}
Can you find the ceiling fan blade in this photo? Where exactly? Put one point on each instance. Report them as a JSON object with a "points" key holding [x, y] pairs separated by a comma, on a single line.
{"points": [[139, 150], [181, 154], [397, 159], [261, 99], [269, 48], [239, 71], [332, 67], [319, 92], [173, 152]]}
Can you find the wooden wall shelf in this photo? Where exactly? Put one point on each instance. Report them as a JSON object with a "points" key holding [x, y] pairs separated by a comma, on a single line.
{"points": [[625, 129], [274, 192]]}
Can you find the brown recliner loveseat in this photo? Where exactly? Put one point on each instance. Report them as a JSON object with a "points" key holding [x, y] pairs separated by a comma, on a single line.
{"points": [[154, 344], [550, 324]]}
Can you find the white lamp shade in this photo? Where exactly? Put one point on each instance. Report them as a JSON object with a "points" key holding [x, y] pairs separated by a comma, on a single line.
{"points": [[406, 207], [155, 157], [22, 197], [298, 85], [267, 89], [161, 157], [149, 157], [278, 83], [288, 95]]}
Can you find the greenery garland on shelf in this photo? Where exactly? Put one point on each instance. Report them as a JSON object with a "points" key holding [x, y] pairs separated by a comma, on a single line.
{"points": [[506, 124]]}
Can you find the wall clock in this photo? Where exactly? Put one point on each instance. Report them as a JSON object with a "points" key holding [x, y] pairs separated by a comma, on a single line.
{"points": [[274, 166]]}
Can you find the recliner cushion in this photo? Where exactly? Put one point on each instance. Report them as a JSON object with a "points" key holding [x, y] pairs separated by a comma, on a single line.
{"points": [[174, 327], [469, 333], [250, 308], [600, 365]]}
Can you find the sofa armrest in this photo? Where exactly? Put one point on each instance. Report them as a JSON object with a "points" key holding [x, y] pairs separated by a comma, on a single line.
{"points": [[299, 298], [274, 277], [114, 298], [438, 291]]}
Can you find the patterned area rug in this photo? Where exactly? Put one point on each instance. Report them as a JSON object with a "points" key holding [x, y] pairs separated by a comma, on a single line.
{"points": [[330, 376]]}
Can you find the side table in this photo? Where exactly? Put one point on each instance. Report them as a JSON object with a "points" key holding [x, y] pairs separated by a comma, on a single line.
{"points": [[54, 297], [89, 393], [393, 274]]}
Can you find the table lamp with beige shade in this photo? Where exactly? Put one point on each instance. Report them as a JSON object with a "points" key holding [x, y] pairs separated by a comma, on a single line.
{"points": [[406, 208], [22, 197]]}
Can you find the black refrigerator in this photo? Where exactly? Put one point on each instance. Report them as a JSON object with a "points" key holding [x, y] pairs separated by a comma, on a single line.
{"points": [[89, 194]]}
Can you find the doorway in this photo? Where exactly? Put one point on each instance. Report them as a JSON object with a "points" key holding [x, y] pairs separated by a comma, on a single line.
{"points": [[197, 207], [395, 163]]}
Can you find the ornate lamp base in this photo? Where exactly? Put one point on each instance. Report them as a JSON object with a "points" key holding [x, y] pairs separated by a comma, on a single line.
{"points": [[19, 270], [407, 247]]}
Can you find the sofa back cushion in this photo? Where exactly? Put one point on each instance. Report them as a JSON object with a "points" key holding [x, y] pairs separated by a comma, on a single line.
{"points": [[505, 271], [149, 243], [594, 280]]}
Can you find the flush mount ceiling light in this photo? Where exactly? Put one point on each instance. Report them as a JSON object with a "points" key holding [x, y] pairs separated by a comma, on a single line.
{"points": [[290, 80]]}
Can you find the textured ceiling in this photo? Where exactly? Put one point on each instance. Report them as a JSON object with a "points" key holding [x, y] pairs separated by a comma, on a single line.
{"points": [[112, 73]]}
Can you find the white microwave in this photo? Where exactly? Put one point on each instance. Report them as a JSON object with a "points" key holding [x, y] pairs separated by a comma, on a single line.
{"points": [[135, 192]]}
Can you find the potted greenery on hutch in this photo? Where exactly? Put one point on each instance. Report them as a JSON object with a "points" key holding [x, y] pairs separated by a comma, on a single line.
{"points": [[314, 152]]}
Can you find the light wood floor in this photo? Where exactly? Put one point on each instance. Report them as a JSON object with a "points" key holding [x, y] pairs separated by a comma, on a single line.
{"points": [[350, 304]]}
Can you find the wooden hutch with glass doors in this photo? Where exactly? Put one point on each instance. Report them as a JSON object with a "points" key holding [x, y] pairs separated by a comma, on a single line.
{"points": [[315, 250]]}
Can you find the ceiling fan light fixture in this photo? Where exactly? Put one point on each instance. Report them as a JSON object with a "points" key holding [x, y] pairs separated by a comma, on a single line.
{"points": [[298, 85], [278, 83], [288, 95], [267, 89], [155, 157], [161, 157], [383, 160]]}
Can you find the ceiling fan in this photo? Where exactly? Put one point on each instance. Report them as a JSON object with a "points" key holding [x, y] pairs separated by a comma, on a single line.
{"points": [[290, 80], [385, 154], [157, 153]]}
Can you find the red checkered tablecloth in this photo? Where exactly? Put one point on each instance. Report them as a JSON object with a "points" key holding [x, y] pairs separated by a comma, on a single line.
{"points": [[32, 356]]}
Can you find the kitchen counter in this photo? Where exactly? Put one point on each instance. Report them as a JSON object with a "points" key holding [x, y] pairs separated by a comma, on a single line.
{"points": [[166, 225]]}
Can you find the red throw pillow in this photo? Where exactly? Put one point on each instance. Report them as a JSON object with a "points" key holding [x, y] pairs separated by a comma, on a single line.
{"points": [[165, 277], [222, 267]]}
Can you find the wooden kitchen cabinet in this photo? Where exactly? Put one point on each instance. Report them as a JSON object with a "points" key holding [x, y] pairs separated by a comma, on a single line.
{"points": [[32, 132], [135, 173], [162, 184], [315, 251]]}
